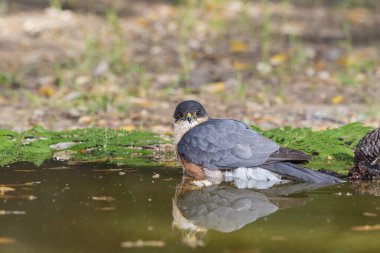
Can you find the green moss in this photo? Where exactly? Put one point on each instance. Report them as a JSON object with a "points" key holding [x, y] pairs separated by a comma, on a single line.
{"points": [[88, 145], [332, 149]]}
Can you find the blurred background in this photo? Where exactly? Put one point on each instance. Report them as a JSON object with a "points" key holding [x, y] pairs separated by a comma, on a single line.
{"points": [[125, 64]]}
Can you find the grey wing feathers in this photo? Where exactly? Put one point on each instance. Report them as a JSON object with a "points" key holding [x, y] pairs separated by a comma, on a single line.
{"points": [[222, 143], [285, 154], [297, 172]]}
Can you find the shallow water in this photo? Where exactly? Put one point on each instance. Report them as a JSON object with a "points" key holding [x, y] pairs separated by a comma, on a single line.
{"points": [[100, 208]]}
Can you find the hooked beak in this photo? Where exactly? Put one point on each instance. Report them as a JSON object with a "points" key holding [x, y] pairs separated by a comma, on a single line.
{"points": [[189, 117]]}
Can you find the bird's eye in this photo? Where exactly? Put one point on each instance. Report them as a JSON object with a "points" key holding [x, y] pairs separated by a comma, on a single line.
{"points": [[196, 113]]}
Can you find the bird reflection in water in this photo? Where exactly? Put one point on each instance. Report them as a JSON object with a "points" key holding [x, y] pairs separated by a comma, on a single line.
{"points": [[225, 209]]}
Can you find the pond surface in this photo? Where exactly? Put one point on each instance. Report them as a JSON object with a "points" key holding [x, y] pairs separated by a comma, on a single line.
{"points": [[102, 208]]}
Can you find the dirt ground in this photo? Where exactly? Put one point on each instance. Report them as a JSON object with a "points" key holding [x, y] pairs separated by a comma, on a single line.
{"points": [[126, 64]]}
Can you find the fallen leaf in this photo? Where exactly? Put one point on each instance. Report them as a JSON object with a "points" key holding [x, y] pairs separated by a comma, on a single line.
{"points": [[358, 56], [144, 102], [344, 60], [347, 60], [319, 65], [85, 120], [351, 60], [214, 87], [293, 27], [128, 128], [278, 59], [238, 46], [46, 90], [102, 123], [337, 99], [366, 228], [141, 21], [211, 6], [359, 16], [239, 66]]}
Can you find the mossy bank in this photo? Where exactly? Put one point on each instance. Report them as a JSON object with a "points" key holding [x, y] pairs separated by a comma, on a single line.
{"points": [[83, 145], [332, 149]]}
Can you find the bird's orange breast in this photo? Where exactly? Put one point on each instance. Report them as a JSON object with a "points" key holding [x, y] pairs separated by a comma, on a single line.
{"points": [[193, 170]]}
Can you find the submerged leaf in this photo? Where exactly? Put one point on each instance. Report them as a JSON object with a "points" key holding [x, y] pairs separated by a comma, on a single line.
{"points": [[4, 189], [366, 228], [7, 240]]}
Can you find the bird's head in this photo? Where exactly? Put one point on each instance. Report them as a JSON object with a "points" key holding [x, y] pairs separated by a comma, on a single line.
{"points": [[189, 111], [188, 114]]}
